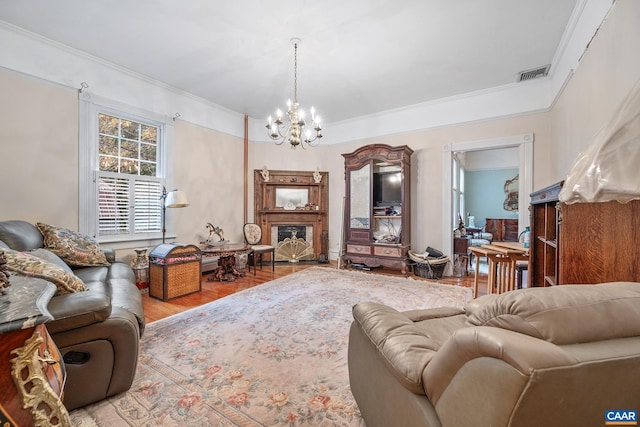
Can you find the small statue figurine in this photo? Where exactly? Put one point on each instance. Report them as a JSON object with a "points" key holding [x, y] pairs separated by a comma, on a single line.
{"points": [[317, 176], [213, 230], [4, 274], [265, 173]]}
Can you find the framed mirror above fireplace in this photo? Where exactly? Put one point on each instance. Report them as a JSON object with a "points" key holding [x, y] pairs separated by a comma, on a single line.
{"points": [[291, 197]]}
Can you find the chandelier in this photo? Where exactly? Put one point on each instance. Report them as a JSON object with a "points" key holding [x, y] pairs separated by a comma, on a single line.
{"points": [[292, 127]]}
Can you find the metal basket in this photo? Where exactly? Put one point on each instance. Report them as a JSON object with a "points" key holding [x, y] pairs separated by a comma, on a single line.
{"points": [[428, 268]]}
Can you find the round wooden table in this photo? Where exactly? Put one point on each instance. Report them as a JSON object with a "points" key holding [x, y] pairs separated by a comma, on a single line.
{"points": [[226, 270]]}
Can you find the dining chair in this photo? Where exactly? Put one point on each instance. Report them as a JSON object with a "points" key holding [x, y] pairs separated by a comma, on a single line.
{"points": [[253, 237]]}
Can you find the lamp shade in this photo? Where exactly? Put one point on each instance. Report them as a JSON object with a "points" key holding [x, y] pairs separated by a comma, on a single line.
{"points": [[176, 199]]}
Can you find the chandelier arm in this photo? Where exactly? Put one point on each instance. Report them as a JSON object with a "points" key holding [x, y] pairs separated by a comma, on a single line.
{"points": [[287, 130]]}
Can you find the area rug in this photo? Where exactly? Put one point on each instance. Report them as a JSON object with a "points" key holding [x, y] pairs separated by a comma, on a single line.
{"points": [[271, 355]]}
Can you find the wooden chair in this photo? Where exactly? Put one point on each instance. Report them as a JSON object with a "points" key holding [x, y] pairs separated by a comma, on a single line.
{"points": [[253, 237]]}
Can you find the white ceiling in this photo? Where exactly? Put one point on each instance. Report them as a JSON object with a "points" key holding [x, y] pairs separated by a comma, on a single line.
{"points": [[357, 57]]}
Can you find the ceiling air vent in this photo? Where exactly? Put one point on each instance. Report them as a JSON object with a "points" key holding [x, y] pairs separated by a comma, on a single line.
{"points": [[535, 73]]}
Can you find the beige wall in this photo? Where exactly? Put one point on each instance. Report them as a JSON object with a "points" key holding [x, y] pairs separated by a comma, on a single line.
{"points": [[39, 141], [39, 146], [208, 166], [426, 162], [606, 73], [39, 169]]}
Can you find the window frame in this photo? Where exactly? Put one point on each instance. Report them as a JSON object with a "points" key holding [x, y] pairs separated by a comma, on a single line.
{"points": [[90, 106], [458, 190]]}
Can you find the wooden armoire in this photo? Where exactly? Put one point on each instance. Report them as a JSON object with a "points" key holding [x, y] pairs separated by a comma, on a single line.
{"points": [[377, 211]]}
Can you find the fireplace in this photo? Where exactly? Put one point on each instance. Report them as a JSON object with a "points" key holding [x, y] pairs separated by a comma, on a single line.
{"points": [[305, 218]]}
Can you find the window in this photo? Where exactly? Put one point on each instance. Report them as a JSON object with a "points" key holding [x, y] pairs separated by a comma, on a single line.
{"points": [[123, 174], [128, 187]]}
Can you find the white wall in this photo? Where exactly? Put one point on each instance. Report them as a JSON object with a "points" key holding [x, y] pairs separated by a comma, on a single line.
{"points": [[500, 158]]}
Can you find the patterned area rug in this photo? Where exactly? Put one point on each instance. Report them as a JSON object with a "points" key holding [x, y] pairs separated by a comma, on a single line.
{"points": [[272, 355]]}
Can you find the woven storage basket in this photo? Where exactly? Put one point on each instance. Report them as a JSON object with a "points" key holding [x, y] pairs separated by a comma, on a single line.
{"points": [[428, 268], [174, 270]]}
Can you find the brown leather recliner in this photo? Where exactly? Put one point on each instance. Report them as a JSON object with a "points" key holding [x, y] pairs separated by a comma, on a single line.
{"points": [[558, 356], [97, 331]]}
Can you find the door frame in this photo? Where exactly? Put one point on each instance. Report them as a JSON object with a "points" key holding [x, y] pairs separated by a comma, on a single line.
{"points": [[524, 143]]}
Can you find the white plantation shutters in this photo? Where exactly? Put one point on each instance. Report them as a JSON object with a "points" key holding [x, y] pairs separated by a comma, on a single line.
{"points": [[147, 213], [113, 206], [117, 215]]}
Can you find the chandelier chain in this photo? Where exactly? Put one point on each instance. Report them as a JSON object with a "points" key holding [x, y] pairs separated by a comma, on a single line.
{"points": [[295, 72]]}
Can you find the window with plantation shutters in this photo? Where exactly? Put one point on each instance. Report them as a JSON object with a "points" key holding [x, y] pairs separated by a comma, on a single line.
{"points": [[129, 192], [123, 169]]}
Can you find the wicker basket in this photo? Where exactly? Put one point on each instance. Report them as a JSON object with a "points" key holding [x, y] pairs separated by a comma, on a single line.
{"points": [[428, 268], [174, 270]]}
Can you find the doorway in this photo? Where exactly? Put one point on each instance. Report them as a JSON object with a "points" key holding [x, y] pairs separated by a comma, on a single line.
{"points": [[524, 144]]}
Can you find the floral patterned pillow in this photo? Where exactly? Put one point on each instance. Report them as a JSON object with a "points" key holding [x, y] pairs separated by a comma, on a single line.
{"points": [[48, 256], [75, 249], [26, 264]]}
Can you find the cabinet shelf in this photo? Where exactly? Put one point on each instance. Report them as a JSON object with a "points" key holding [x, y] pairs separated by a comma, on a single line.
{"points": [[387, 216], [543, 255]]}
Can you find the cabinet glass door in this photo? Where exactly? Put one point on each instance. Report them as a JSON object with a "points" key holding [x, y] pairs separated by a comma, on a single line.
{"points": [[359, 199]]}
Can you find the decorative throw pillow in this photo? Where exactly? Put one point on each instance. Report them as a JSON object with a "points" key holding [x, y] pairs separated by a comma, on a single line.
{"points": [[49, 256], [74, 248], [26, 264]]}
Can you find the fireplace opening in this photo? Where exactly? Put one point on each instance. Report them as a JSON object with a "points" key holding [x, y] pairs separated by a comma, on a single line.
{"points": [[293, 245], [290, 231]]}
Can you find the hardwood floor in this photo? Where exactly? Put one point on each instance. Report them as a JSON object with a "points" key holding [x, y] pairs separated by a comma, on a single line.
{"points": [[155, 309]]}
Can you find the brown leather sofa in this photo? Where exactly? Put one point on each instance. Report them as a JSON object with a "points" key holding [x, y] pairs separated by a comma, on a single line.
{"points": [[97, 331], [558, 356]]}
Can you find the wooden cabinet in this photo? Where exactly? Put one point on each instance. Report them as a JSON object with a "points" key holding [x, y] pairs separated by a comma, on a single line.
{"points": [[582, 243], [502, 229], [33, 374], [599, 242], [543, 254], [377, 215]]}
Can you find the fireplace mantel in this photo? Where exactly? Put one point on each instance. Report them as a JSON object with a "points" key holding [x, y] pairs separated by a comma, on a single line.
{"points": [[313, 214]]}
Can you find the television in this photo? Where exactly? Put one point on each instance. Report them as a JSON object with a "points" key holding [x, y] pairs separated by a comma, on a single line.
{"points": [[387, 189]]}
